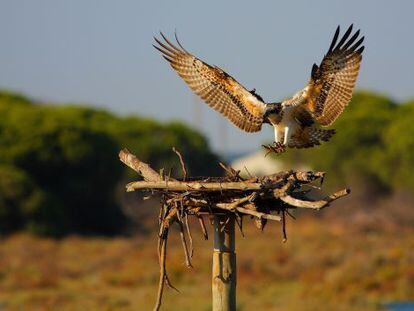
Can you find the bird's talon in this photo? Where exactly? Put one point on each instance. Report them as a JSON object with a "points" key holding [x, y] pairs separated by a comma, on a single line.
{"points": [[276, 147]]}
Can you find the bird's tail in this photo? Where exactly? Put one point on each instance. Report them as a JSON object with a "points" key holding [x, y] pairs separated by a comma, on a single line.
{"points": [[320, 134], [310, 136]]}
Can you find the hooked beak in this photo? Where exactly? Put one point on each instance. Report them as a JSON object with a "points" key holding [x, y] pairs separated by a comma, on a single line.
{"points": [[273, 108]]}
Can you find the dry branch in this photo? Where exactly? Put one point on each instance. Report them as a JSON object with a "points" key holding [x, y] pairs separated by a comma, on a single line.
{"points": [[141, 168], [203, 227], [266, 198], [185, 246], [315, 204], [192, 186], [180, 157], [258, 214], [163, 273]]}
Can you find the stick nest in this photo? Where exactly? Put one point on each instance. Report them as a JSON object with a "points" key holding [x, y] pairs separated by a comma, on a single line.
{"points": [[261, 198]]}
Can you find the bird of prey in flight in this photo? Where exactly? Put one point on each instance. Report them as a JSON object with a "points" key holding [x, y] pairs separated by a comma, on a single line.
{"points": [[296, 119]]}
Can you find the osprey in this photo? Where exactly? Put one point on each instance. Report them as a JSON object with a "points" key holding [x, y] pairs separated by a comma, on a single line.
{"points": [[296, 119]]}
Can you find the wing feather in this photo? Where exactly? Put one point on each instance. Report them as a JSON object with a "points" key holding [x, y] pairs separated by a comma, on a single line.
{"points": [[218, 89], [330, 88]]}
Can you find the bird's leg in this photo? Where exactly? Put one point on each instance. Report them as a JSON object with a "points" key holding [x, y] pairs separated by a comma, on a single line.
{"points": [[276, 134], [277, 146], [287, 135]]}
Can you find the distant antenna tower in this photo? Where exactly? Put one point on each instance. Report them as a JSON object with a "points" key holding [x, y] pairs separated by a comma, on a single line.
{"points": [[222, 135], [222, 131], [197, 112]]}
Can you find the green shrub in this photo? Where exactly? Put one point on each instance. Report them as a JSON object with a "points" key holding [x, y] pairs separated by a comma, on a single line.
{"points": [[68, 157]]}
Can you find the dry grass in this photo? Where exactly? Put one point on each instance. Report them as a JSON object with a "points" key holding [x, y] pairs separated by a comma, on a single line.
{"points": [[325, 265]]}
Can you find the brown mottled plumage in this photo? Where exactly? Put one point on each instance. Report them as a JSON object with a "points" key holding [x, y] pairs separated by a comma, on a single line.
{"points": [[218, 89], [332, 83], [308, 137], [320, 102], [327, 93]]}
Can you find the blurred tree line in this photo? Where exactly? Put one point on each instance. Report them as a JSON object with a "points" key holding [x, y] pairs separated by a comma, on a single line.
{"points": [[59, 167], [373, 148]]}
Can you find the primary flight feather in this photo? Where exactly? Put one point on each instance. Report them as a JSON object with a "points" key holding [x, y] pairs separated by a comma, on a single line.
{"points": [[295, 119]]}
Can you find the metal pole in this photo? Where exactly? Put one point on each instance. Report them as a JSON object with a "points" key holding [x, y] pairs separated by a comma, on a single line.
{"points": [[224, 264]]}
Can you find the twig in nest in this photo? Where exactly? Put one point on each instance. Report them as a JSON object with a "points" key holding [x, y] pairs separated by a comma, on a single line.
{"points": [[190, 237], [174, 185], [181, 162], [248, 173], [168, 282], [166, 217], [290, 214], [284, 226], [258, 214], [163, 275], [184, 242], [233, 205], [161, 217], [140, 167], [203, 227], [168, 178], [260, 223], [231, 172], [295, 202], [223, 227], [239, 222]]}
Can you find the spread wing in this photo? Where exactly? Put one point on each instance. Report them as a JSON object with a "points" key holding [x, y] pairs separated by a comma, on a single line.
{"points": [[330, 87], [218, 89]]}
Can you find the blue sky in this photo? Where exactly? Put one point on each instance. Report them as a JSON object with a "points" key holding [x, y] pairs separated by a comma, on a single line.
{"points": [[99, 52]]}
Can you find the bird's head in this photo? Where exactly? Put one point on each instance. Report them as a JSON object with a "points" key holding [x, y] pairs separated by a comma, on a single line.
{"points": [[272, 110]]}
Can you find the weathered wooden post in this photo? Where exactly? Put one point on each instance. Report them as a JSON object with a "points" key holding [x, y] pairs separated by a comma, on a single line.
{"points": [[224, 274]]}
